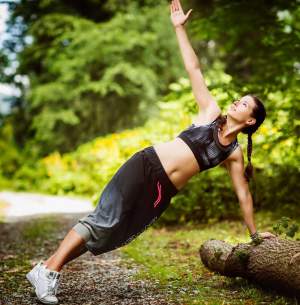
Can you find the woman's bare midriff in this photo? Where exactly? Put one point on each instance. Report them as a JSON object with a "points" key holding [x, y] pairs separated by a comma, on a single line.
{"points": [[177, 160]]}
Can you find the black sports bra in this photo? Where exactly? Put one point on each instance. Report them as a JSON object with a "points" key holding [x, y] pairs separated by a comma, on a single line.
{"points": [[204, 142]]}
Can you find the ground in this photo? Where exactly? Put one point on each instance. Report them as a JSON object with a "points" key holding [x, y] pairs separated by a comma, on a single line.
{"points": [[104, 279], [161, 266]]}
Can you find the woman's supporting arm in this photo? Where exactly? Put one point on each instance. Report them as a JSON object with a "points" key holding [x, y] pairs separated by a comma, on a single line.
{"points": [[235, 168], [246, 204]]}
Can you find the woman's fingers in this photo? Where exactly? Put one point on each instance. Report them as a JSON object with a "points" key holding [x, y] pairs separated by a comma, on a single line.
{"points": [[172, 7], [178, 4], [188, 13], [267, 235]]}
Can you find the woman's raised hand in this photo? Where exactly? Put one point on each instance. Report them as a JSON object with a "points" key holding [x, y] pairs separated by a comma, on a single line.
{"points": [[177, 15]]}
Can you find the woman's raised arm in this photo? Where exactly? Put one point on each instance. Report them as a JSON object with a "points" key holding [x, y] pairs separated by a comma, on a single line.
{"points": [[191, 63]]}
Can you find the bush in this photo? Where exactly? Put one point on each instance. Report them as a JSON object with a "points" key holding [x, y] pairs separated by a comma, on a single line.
{"points": [[206, 197]]}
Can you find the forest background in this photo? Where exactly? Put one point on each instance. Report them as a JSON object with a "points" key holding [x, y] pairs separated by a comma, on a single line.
{"points": [[100, 80]]}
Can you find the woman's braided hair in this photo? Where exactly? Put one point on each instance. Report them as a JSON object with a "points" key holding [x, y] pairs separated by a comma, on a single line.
{"points": [[259, 113]]}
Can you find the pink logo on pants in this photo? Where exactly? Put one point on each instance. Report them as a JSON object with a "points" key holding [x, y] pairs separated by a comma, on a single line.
{"points": [[159, 194]]}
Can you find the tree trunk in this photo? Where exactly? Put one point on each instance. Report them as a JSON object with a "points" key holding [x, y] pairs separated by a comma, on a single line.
{"points": [[272, 263]]}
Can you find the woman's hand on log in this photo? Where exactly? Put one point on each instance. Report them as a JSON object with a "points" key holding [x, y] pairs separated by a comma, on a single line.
{"points": [[266, 235]]}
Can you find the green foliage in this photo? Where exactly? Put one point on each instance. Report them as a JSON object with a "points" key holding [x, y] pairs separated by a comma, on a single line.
{"points": [[11, 158], [286, 226], [260, 44], [94, 74], [80, 70], [260, 51], [208, 197]]}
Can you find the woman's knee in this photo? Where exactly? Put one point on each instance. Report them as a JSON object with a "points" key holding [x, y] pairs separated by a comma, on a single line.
{"points": [[83, 231]]}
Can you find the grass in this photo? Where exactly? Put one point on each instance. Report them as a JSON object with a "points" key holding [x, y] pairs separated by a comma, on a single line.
{"points": [[3, 206], [167, 256], [17, 252], [171, 256]]}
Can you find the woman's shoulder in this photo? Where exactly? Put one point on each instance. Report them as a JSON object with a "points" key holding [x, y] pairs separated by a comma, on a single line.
{"points": [[207, 119]]}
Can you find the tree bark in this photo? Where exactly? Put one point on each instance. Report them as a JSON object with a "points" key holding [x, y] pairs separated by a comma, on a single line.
{"points": [[273, 262]]}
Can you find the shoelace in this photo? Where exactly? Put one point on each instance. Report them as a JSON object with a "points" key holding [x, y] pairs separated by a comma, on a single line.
{"points": [[52, 285]]}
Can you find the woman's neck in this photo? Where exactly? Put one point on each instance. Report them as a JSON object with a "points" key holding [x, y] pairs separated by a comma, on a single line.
{"points": [[230, 129]]}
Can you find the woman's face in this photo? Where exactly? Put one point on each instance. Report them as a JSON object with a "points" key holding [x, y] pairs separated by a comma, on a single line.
{"points": [[241, 109]]}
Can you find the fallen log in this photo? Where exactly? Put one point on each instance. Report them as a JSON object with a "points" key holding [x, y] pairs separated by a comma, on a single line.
{"points": [[273, 262]]}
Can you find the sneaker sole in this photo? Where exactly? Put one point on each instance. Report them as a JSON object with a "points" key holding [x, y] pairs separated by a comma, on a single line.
{"points": [[43, 301]]}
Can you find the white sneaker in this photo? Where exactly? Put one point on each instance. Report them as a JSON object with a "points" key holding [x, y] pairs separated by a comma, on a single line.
{"points": [[45, 282], [32, 275]]}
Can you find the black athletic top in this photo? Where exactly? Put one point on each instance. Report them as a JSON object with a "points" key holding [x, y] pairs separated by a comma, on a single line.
{"points": [[204, 142]]}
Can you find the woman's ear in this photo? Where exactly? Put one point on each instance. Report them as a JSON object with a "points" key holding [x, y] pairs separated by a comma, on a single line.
{"points": [[251, 121]]}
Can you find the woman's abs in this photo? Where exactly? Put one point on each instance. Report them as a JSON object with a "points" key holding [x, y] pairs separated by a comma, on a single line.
{"points": [[177, 160]]}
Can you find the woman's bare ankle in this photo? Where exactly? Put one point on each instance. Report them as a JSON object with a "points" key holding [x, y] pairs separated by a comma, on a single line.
{"points": [[54, 267], [49, 259], [52, 263]]}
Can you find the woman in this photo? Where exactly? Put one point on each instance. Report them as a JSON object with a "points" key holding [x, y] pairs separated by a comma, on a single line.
{"points": [[143, 186]]}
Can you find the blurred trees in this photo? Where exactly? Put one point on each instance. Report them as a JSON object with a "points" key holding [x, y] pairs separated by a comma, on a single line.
{"points": [[89, 78], [84, 59], [259, 44], [98, 67]]}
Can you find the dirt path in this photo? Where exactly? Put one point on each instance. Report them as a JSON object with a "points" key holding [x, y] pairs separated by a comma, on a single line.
{"points": [[21, 204], [104, 279]]}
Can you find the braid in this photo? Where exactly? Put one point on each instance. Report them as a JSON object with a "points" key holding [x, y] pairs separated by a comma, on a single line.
{"points": [[259, 113], [248, 173]]}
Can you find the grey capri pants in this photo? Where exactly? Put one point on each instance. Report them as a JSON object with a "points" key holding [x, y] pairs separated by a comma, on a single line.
{"points": [[137, 194]]}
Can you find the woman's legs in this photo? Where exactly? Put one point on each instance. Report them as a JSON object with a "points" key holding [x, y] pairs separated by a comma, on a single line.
{"points": [[72, 246]]}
